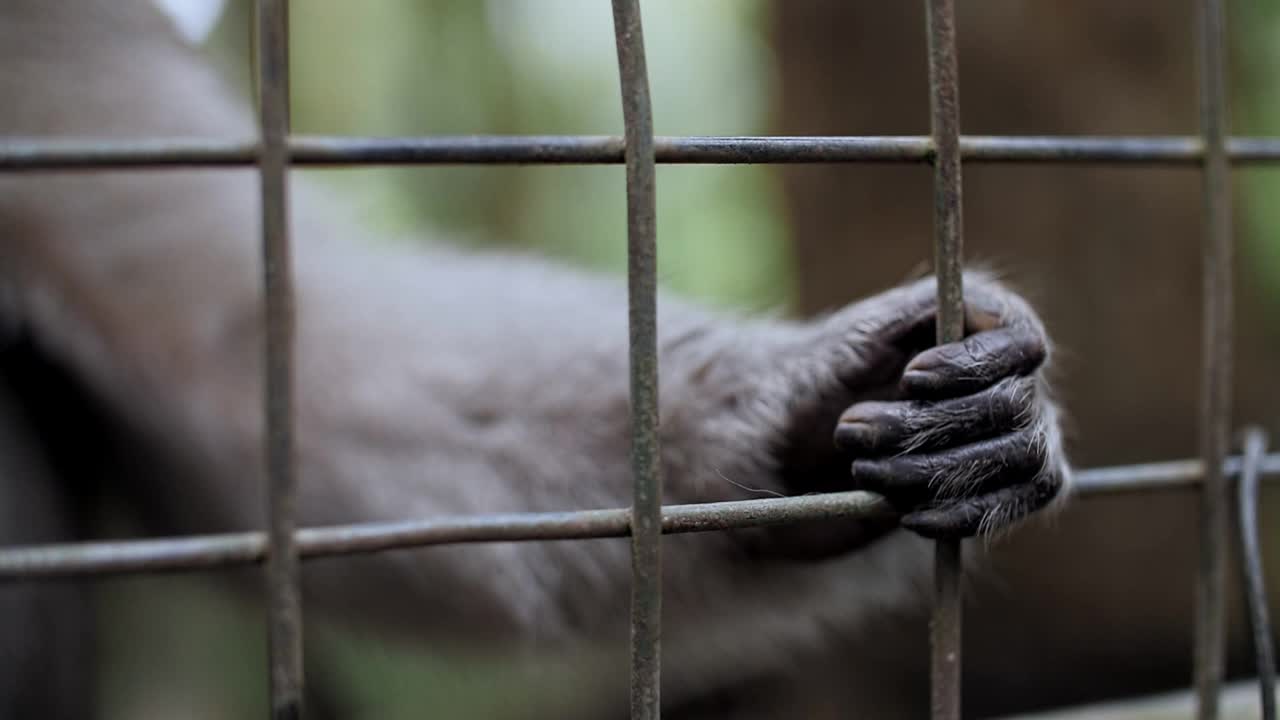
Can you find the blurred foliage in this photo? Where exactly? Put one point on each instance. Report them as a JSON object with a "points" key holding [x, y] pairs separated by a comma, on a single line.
{"points": [[463, 67], [184, 647], [1256, 66], [179, 647]]}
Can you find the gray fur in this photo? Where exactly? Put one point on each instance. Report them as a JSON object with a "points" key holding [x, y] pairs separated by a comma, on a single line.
{"points": [[430, 382]]}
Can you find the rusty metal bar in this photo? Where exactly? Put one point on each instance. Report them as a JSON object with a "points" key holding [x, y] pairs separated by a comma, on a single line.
{"points": [[207, 552], [216, 551], [27, 154], [284, 596], [944, 104], [642, 308], [1255, 448], [1215, 402]]}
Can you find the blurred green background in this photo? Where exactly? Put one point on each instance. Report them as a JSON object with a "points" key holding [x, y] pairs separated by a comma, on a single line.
{"points": [[548, 67], [183, 646]]}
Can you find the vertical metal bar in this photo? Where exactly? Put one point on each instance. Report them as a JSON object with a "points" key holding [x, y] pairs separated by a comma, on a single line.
{"points": [[1215, 398], [944, 102], [646, 509], [284, 595], [1255, 448]]}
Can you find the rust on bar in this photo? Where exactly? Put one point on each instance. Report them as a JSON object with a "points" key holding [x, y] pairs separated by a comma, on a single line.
{"points": [[37, 154], [284, 613], [233, 549], [944, 104], [646, 507], [206, 552], [1215, 397], [1255, 449]]}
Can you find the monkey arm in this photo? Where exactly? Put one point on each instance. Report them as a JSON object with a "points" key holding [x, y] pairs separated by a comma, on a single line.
{"points": [[435, 382], [439, 382]]}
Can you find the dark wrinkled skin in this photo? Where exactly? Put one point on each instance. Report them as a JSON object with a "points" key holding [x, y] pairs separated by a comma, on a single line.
{"points": [[959, 441], [962, 439]]}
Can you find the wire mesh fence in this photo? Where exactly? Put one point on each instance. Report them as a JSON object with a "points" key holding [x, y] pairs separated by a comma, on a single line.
{"points": [[283, 545]]}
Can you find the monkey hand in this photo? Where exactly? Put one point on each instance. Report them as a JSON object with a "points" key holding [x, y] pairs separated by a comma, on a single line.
{"points": [[961, 438], [966, 440]]}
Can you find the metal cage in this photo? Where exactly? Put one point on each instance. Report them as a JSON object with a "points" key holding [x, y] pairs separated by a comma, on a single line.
{"points": [[283, 545]]}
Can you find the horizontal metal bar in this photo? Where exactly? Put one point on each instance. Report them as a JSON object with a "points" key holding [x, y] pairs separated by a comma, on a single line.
{"points": [[224, 550], [82, 154], [194, 553], [1239, 702], [1160, 475]]}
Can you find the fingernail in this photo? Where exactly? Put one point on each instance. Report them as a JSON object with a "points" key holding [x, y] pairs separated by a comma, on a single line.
{"points": [[854, 433], [922, 523], [920, 379], [925, 361], [853, 473]]}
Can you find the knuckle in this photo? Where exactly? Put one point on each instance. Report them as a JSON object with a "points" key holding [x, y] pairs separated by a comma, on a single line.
{"points": [[1016, 397], [1034, 348], [1053, 478], [1032, 448], [929, 468]]}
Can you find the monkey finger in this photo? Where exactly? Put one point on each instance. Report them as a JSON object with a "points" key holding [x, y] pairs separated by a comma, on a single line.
{"points": [[880, 427], [915, 310], [957, 472], [976, 362], [986, 513]]}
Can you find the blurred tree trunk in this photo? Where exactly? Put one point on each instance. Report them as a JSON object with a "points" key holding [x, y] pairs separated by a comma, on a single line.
{"points": [[1100, 603]]}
